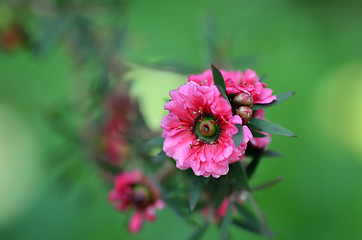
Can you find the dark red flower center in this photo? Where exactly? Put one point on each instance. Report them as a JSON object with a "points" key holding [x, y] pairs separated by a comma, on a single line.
{"points": [[142, 196]]}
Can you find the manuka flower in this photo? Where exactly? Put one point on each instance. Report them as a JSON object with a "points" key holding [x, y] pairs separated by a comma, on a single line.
{"points": [[238, 82], [243, 90], [198, 130], [134, 190], [115, 129]]}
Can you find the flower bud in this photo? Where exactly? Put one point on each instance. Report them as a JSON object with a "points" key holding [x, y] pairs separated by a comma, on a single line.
{"points": [[243, 99], [245, 113]]}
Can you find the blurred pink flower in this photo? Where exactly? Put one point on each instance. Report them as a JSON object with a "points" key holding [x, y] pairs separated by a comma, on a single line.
{"points": [[13, 37], [236, 82], [120, 111], [198, 130], [134, 190], [115, 145], [221, 211]]}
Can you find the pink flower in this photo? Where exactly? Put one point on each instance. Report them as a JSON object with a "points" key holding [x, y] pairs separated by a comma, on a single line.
{"points": [[237, 82], [113, 134], [221, 211], [261, 143], [115, 146], [198, 130], [134, 190]]}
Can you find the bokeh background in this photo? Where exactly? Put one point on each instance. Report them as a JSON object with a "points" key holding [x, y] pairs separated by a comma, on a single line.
{"points": [[311, 47]]}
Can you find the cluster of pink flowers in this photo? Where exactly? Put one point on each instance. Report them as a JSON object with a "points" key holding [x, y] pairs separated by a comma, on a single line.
{"points": [[200, 125], [132, 190], [198, 133]]}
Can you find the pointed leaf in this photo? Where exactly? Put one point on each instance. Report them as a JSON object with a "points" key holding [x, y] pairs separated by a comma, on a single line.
{"points": [[225, 226], [158, 141], [239, 174], [219, 82], [268, 184], [199, 232], [262, 78], [250, 169], [258, 211], [172, 66], [247, 215], [269, 127], [196, 189], [252, 228], [280, 98], [222, 190], [257, 134], [271, 153], [178, 206], [238, 138], [160, 157]]}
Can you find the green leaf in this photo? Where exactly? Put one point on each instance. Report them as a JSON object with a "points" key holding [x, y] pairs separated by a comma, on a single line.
{"points": [[196, 189], [271, 153], [252, 228], [280, 98], [199, 232], [247, 215], [158, 141], [172, 66], [178, 206], [160, 157], [250, 169], [238, 172], [258, 211], [250, 221], [257, 134], [225, 226], [222, 190], [269, 127], [246, 226], [219, 82], [238, 138], [268, 183], [262, 78]]}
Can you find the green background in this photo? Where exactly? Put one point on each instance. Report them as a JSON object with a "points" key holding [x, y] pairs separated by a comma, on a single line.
{"points": [[311, 47]]}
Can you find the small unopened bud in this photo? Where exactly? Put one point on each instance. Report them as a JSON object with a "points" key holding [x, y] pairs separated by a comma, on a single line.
{"points": [[243, 99], [245, 113]]}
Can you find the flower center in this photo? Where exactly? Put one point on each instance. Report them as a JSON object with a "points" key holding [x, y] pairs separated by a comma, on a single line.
{"points": [[206, 128], [141, 196]]}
